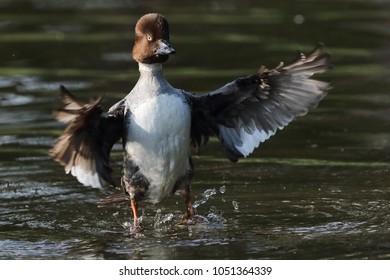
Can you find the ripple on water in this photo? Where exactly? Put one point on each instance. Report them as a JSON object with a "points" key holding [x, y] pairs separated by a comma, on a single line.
{"points": [[25, 84], [12, 99], [45, 86], [30, 141]]}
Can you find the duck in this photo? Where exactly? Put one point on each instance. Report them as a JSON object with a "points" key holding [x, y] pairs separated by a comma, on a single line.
{"points": [[162, 127]]}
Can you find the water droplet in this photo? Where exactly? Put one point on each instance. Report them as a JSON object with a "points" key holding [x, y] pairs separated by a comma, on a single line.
{"points": [[222, 189], [196, 204], [167, 218], [235, 205], [299, 19], [126, 225], [209, 192], [205, 197]]}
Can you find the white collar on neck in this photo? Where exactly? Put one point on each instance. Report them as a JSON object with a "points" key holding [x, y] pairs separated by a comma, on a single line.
{"points": [[144, 67]]}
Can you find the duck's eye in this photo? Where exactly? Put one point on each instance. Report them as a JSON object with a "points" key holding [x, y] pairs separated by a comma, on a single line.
{"points": [[149, 38]]}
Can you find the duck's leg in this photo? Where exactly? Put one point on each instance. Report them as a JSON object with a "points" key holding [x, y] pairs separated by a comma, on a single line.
{"points": [[190, 211], [134, 208], [135, 186], [183, 186]]}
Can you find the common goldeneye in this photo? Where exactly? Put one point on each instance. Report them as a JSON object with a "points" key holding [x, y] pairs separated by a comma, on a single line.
{"points": [[159, 124]]}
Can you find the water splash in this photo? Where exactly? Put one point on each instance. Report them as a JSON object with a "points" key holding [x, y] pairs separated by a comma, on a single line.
{"points": [[215, 216], [236, 205], [162, 219], [205, 197]]}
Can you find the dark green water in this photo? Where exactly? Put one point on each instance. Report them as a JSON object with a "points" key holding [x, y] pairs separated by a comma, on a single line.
{"points": [[319, 189]]}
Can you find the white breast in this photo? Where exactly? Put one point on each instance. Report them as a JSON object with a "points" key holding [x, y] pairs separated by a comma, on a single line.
{"points": [[158, 142]]}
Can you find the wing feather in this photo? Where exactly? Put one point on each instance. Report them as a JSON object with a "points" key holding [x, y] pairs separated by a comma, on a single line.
{"points": [[248, 111], [85, 145]]}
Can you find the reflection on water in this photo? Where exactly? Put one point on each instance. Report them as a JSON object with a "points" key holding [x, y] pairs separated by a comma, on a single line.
{"points": [[318, 189]]}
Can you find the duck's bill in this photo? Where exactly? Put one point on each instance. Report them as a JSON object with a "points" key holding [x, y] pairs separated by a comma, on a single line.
{"points": [[164, 48]]}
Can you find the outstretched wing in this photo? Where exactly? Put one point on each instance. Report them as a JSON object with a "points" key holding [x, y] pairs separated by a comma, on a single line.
{"points": [[84, 146], [247, 111]]}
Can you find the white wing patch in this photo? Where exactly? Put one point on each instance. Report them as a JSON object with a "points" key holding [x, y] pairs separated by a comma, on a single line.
{"points": [[87, 178], [245, 142]]}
